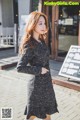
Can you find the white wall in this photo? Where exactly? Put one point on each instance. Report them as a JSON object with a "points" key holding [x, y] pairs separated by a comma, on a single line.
{"points": [[7, 13], [23, 8], [0, 12], [0, 19]]}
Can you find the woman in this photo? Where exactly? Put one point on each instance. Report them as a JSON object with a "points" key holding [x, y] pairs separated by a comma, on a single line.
{"points": [[34, 60]]}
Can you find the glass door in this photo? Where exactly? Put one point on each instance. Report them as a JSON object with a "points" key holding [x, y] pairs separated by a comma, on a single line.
{"points": [[68, 28]]}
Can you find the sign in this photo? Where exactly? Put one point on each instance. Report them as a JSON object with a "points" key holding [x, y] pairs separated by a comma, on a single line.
{"points": [[68, 21], [71, 65]]}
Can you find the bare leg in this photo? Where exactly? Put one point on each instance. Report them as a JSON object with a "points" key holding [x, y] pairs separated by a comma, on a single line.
{"points": [[48, 117], [32, 118]]}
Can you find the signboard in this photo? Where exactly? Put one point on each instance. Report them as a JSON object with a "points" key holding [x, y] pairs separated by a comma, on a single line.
{"points": [[71, 65], [68, 21]]}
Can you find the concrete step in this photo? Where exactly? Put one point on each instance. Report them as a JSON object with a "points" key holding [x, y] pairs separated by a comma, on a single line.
{"points": [[8, 62]]}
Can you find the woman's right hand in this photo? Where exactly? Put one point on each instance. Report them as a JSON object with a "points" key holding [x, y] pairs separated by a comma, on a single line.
{"points": [[44, 70]]}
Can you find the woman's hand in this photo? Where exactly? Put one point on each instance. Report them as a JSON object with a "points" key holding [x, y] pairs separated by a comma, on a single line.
{"points": [[44, 70]]}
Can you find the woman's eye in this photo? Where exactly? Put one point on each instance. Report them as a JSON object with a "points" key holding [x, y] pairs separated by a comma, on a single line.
{"points": [[40, 23]]}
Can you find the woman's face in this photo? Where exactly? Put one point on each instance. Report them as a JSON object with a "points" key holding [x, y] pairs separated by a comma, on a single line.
{"points": [[41, 26]]}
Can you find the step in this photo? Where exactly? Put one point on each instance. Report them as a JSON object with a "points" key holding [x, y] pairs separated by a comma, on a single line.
{"points": [[8, 62]]}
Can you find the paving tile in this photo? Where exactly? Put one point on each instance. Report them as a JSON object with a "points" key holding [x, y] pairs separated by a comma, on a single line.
{"points": [[13, 94]]}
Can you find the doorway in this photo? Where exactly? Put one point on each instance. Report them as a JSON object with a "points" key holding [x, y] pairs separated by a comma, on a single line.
{"points": [[68, 28], [63, 29]]}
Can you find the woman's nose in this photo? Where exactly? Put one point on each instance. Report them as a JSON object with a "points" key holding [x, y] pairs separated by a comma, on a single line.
{"points": [[44, 27]]}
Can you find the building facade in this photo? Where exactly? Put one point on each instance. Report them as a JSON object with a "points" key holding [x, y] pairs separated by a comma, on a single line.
{"points": [[64, 24], [10, 14], [11, 11]]}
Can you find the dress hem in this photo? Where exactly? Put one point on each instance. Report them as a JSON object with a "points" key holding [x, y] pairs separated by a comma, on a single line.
{"points": [[44, 116]]}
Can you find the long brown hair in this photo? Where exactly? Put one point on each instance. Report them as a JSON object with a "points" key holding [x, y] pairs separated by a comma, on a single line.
{"points": [[32, 22]]}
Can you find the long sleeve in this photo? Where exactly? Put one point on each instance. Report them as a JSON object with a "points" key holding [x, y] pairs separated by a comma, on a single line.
{"points": [[23, 66]]}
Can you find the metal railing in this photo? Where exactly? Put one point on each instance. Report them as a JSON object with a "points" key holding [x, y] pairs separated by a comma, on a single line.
{"points": [[7, 37]]}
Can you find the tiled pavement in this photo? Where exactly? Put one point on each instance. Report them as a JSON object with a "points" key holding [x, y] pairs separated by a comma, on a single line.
{"points": [[13, 94]]}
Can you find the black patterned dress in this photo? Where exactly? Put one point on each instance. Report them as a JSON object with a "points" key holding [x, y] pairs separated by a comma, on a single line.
{"points": [[40, 93]]}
